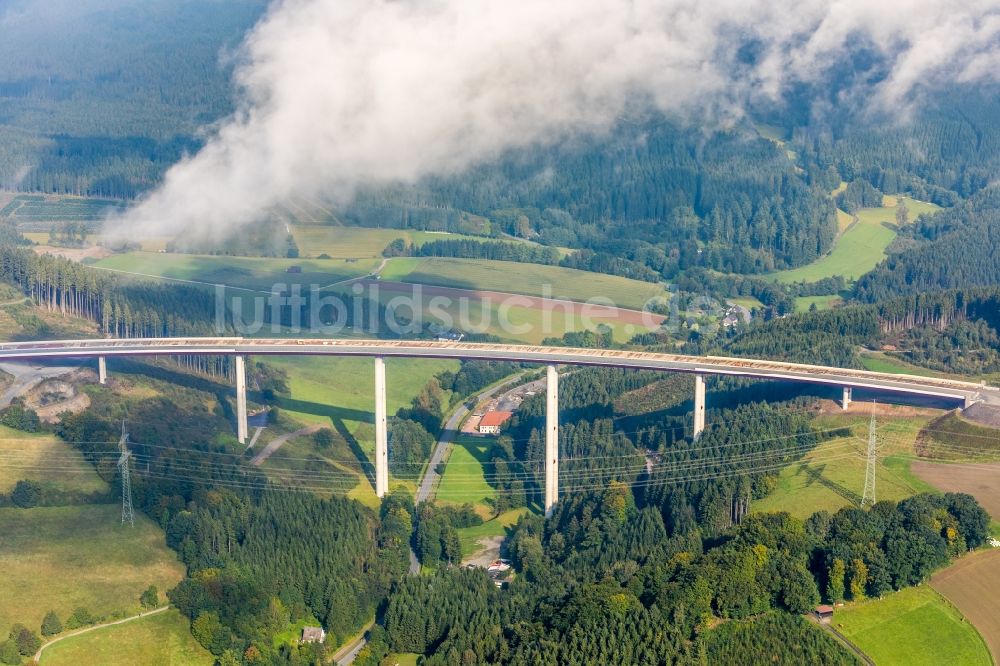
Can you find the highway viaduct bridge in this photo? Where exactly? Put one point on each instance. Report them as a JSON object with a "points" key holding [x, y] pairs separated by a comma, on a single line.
{"points": [[966, 393]]}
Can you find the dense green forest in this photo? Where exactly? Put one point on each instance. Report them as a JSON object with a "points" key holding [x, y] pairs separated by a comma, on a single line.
{"points": [[88, 101], [607, 580], [945, 151], [731, 202]]}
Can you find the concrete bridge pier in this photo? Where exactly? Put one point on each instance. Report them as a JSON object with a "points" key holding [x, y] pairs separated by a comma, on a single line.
{"points": [[381, 431], [241, 400], [551, 439], [102, 369], [699, 405], [845, 402]]}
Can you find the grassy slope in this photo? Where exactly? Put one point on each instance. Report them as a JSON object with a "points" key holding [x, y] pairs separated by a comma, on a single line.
{"points": [[46, 459], [530, 279], [464, 477], [885, 362], [338, 392], [955, 438], [803, 303], [357, 242], [832, 475], [526, 325], [912, 627], [60, 558], [249, 272], [860, 247], [470, 536], [163, 638]]}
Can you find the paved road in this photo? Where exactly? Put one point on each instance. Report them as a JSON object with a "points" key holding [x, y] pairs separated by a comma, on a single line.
{"points": [[256, 434], [27, 377], [277, 442], [430, 478], [38, 655], [349, 651]]}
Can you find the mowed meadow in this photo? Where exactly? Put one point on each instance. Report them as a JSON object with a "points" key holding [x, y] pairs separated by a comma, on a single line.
{"points": [[861, 244], [338, 393], [915, 626], [64, 557], [528, 279], [160, 638]]}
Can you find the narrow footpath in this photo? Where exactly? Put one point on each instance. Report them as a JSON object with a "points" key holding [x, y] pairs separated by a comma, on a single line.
{"points": [[38, 655]]}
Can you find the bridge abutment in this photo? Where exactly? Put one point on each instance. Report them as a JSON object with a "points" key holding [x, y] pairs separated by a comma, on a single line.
{"points": [[551, 439], [241, 400], [381, 431]]}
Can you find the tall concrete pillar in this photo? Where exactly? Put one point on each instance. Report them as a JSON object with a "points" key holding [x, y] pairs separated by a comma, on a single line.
{"points": [[845, 402], [241, 400], [381, 431], [551, 439], [102, 370], [699, 405]]}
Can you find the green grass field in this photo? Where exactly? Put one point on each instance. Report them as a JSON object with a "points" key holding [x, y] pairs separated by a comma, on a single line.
{"points": [[861, 247], [470, 536], [804, 303], [515, 323], [912, 627], [746, 301], [357, 242], [832, 475], [60, 558], [403, 659], [258, 273], [31, 456], [529, 279], [337, 392], [464, 477], [163, 638]]}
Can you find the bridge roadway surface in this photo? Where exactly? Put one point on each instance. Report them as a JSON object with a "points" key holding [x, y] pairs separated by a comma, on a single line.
{"points": [[967, 392]]}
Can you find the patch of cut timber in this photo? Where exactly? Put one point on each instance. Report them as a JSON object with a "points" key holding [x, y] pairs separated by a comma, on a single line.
{"points": [[972, 584]]}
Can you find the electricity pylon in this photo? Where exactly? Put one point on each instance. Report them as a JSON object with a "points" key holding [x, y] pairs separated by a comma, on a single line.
{"points": [[868, 498], [123, 470]]}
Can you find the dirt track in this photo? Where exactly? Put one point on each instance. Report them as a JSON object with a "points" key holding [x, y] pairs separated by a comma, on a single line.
{"points": [[971, 584]]}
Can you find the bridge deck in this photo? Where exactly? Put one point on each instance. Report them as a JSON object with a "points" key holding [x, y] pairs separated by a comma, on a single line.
{"points": [[912, 384]]}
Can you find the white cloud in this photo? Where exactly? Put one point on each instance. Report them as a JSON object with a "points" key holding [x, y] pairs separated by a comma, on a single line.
{"points": [[338, 93]]}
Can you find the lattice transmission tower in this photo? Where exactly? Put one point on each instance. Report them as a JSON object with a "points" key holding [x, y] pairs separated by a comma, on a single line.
{"points": [[123, 469], [868, 498]]}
